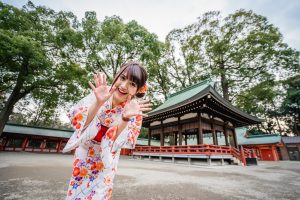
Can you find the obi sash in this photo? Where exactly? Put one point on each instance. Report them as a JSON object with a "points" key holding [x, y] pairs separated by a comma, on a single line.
{"points": [[101, 133]]}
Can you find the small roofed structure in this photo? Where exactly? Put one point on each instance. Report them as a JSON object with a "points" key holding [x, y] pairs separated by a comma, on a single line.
{"points": [[18, 137], [197, 111], [266, 146], [291, 148]]}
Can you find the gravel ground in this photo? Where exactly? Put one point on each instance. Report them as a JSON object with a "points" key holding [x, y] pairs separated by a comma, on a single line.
{"points": [[31, 176]]}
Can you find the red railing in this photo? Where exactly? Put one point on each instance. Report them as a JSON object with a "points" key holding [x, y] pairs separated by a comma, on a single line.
{"points": [[236, 153], [207, 149], [248, 153], [187, 149]]}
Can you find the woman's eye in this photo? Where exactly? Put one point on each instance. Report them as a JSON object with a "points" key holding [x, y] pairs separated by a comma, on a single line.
{"points": [[133, 84], [122, 78]]}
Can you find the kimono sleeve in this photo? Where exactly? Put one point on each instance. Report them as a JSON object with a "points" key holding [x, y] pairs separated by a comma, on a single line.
{"points": [[128, 137], [78, 116]]}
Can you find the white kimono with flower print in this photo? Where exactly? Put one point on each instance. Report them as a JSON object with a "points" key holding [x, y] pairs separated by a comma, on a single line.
{"points": [[95, 162]]}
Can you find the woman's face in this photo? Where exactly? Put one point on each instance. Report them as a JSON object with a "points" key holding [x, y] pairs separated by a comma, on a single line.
{"points": [[125, 87]]}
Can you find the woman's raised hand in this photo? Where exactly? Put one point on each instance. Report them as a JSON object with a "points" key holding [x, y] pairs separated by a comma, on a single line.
{"points": [[135, 108], [102, 91]]}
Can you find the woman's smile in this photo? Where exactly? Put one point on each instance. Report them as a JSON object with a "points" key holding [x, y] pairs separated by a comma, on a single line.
{"points": [[122, 92]]}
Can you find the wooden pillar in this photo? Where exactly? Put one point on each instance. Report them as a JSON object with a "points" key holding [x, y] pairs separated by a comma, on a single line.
{"points": [[5, 143], [180, 131], [162, 136], [24, 144], [2, 144], [175, 138], [213, 131], [58, 146], [274, 153], [226, 136], [149, 136], [185, 139], [243, 156], [43, 145], [200, 132], [234, 137], [9, 143]]}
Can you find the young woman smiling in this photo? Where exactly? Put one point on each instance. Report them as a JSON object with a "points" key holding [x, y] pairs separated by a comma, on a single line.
{"points": [[105, 121]]}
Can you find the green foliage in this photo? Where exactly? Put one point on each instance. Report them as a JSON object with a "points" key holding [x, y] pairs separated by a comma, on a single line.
{"points": [[38, 50], [256, 132], [240, 50], [256, 99], [262, 100], [291, 103], [111, 43], [143, 133]]}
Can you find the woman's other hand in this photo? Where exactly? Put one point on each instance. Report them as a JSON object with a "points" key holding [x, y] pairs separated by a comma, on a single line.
{"points": [[135, 108], [102, 91]]}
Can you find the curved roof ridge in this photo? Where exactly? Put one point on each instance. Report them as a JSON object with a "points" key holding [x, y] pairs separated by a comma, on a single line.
{"points": [[263, 135], [191, 87], [38, 127]]}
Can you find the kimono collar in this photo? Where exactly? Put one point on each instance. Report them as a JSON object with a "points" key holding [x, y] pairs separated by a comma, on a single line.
{"points": [[122, 105]]}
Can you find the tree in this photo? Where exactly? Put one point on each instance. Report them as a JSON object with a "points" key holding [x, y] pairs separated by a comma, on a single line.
{"points": [[111, 43], [263, 101], [291, 103], [38, 51], [239, 51]]}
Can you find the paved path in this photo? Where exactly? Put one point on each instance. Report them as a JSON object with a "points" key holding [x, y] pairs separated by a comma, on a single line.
{"points": [[32, 176]]}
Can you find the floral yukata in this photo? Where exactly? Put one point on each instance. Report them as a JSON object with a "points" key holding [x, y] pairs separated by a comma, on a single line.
{"points": [[96, 162]]}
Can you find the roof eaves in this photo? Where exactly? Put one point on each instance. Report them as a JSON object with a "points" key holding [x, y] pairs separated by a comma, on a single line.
{"points": [[225, 103]]}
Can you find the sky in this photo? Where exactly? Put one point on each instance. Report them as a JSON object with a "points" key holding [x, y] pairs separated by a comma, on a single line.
{"points": [[161, 16]]}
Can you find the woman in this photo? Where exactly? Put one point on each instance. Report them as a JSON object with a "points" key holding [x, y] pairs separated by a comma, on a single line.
{"points": [[105, 121]]}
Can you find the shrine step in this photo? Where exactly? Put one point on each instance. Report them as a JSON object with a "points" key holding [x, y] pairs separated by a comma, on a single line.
{"points": [[191, 159]]}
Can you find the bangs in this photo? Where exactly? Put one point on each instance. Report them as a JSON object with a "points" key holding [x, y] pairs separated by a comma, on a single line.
{"points": [[135, 74]]}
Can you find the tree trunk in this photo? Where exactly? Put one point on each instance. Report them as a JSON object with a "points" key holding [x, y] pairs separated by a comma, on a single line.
{"points": [[14, 97], [276, 118], [224, 82]]}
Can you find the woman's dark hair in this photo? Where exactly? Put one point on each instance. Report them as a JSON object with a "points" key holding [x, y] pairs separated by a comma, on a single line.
{"points": [[136, 73]]}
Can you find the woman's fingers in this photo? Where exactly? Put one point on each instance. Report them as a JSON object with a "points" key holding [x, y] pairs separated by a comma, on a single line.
{"points": [[96, 80], [139, 114], [100, 78], [92, 86], [146, 105], [142, 114], [145, 109], [104, 79], [143, 101]]}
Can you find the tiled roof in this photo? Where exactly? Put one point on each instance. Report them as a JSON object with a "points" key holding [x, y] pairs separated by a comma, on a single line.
{"points": [[243, 139], [40, 131], [193, 94], [291, 140], [31, 130], [183, 95]]}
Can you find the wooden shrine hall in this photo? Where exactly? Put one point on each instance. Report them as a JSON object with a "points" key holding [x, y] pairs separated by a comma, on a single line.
{"points": [[198, 111]]}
